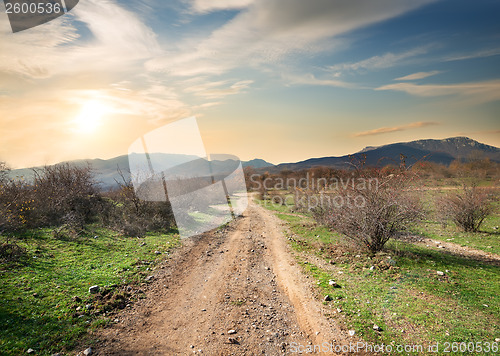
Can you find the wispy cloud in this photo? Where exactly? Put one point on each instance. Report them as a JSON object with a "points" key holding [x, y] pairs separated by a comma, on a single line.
{"points": [[36, 54], [480, 92], [204, 6], [219, 89], [310, 79], [208, 105], [384, 130], [386, 60], [117, 30], [479, 54], [271, 31], [117, 36], [419, 75]]}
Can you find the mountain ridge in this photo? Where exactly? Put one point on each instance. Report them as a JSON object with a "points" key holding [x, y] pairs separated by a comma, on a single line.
{"points": [[443, 151]]}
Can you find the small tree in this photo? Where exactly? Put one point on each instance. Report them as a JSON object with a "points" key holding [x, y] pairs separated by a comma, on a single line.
{"points": [[468, 208], [373, 208]]}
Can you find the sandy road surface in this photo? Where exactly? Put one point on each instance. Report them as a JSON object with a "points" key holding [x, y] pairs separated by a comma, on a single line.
{"points": [[242, 278]]}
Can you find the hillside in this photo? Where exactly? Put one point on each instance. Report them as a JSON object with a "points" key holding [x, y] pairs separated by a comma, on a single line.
{"points": [[107, 171], [442, 151]]}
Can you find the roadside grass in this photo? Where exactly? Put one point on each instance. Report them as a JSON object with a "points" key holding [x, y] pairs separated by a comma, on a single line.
{"points": [[487, 239], [282, 208], [42, 290], [400, 290]]}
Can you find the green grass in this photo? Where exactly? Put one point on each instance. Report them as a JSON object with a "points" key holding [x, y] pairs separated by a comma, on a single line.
{"points": [[283, 208], [487, 239], [59, 269], [402, 293]]}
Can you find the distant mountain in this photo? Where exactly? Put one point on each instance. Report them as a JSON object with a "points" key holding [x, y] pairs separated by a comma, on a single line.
{"points": [[457, 147], [107, 171], [442, 151], [257, 163]]}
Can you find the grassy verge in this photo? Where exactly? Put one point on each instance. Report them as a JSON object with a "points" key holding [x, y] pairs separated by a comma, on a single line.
{"points": [[487, 239], [400, 289], [46, 304]]}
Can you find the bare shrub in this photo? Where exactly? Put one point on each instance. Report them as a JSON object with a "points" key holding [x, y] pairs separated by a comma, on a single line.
{"points": [[4, 169], [467, 208], [134, 216], [16, 203], [370, 215], [66, 194]]}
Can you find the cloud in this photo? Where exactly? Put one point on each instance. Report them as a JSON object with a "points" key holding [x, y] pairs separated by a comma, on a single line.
{"points": [[215, 90], [419, 75], [312, 80], [384, 130], [479, 91], [36, 53], [272, 31], [479, 54], [387, 60], [156, 104], [208, 105], [204, 6], [118, 29], [118, 36]]}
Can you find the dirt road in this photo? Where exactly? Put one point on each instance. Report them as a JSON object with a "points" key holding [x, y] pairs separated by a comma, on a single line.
{"points": [[236, 291]]}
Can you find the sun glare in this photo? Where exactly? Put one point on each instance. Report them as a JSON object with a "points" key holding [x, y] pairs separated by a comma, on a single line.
{"points": [[90, 117]]}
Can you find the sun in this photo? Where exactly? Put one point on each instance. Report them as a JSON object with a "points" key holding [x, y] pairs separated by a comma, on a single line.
{"points": [[90, 117]]}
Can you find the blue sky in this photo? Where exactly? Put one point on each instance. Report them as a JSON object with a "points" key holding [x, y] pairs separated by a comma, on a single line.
{"points": [[282, 80]]}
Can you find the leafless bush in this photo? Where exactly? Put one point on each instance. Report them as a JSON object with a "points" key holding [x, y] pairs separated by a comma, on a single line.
{"points": [[58, 195], [468, 208], [66, 194], [16, 202], [371, 215], [67, 198], [134, 216]]}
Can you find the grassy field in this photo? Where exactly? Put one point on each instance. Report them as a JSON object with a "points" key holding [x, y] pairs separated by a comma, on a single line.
{"points": [[487, 239], [45, 300], [400, 289]]}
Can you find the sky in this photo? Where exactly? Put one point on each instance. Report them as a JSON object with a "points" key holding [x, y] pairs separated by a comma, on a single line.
{"points": [[281, 80]]}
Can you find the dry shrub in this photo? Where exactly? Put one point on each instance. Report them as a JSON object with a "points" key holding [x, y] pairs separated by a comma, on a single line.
{"points": [[134, 216], [58, 195], [467, 208], [16, 202], [371, 214], [66, 194]]}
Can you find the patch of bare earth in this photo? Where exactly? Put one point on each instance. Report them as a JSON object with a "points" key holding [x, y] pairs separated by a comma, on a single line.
{"points": [[236, 291]]}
